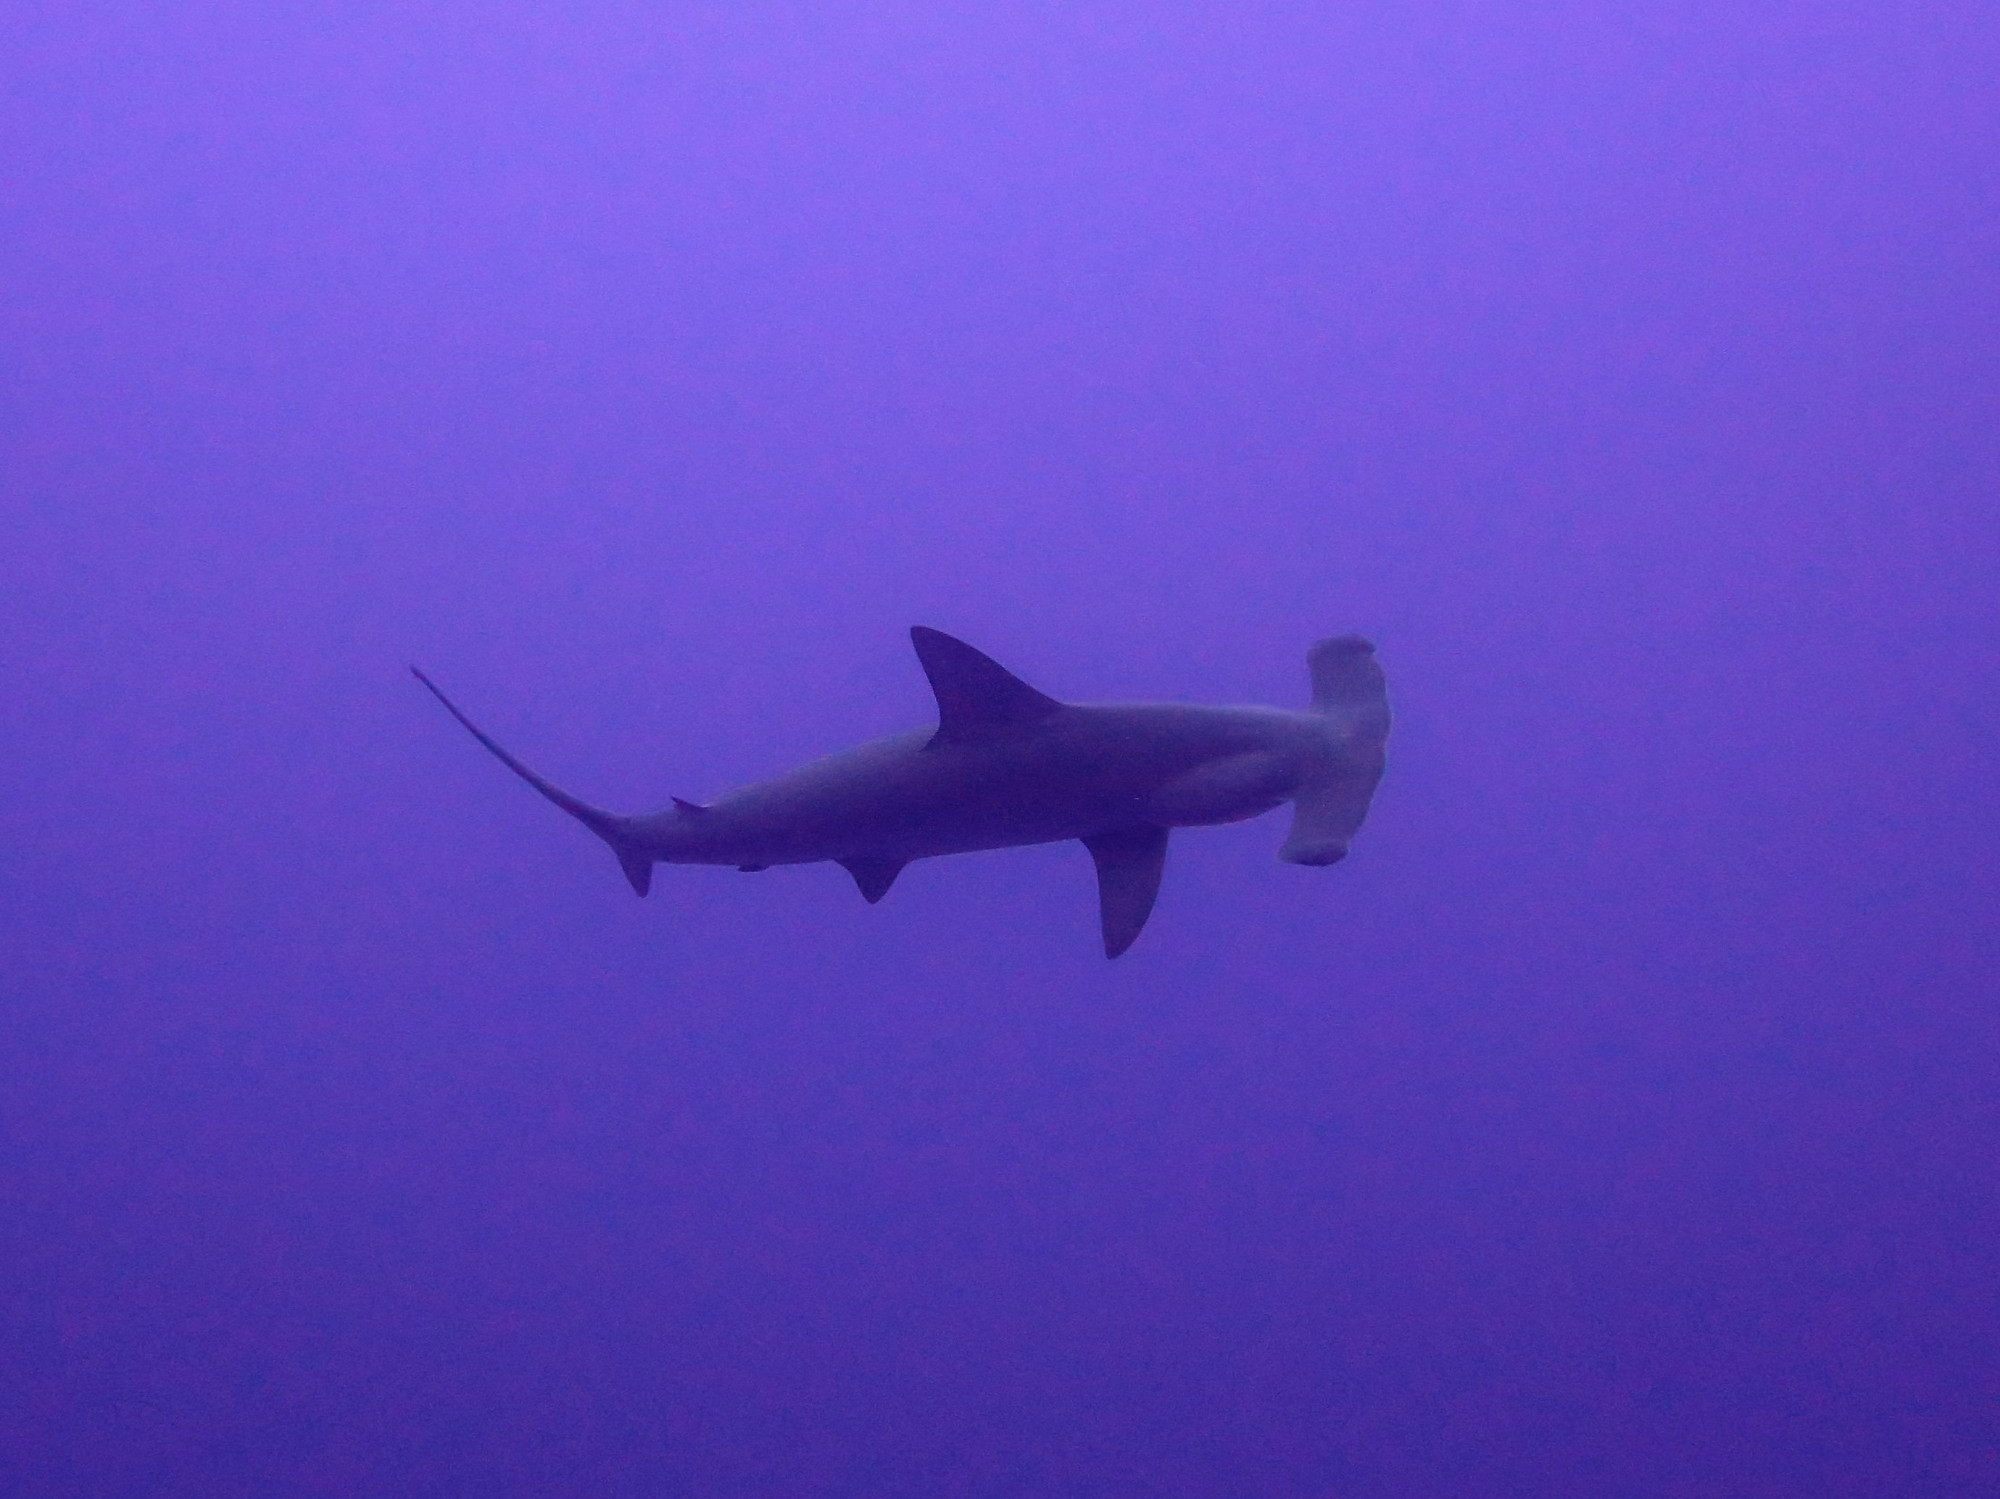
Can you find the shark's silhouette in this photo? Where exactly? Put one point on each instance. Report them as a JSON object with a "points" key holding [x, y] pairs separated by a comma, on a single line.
{"points": [[1007, 766]]}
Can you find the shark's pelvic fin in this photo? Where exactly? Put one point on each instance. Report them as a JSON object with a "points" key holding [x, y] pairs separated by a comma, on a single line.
{"points": [[1129, 861], [613, 829], [687, 806], [873, 876], [976, 695]]}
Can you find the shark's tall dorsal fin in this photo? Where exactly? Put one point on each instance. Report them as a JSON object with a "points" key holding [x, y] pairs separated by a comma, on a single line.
{"points": [[976, 695], [1129, 861]]}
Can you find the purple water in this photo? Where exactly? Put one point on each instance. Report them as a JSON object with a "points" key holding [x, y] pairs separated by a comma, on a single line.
{"points": [[1619, 1119]]}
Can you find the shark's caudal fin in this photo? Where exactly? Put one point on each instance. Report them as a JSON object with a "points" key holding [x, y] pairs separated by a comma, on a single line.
{"points": [[1349, 689], [614, 830], [977, 697]]}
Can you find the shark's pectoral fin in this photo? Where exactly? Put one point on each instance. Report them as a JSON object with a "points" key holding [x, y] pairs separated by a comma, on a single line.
{"points": [[1129, 861], [874, 876], [976, 696]]}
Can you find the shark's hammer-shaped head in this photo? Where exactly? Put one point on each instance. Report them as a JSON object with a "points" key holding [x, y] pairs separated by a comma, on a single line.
{"points": [[1335, 789]]}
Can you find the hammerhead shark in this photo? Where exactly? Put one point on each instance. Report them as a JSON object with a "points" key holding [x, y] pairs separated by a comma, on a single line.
{"points": [[1008, 766]]}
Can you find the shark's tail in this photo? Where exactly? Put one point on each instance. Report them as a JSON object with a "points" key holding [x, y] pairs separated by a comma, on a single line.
{"points": [[613, 829], [1350, 691]]}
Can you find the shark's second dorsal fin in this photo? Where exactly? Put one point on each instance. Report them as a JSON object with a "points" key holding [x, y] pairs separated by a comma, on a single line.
{"points": [[976, 695]]}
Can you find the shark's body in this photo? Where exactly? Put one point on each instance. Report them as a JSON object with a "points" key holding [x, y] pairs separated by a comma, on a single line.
{"points": [[1008, 766]]}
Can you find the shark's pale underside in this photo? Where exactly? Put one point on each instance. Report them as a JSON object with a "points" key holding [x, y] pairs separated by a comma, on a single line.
{"points": [[1008, 766]]}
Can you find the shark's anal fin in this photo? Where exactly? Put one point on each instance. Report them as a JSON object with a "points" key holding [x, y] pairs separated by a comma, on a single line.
{"points": [[977, 697], [873, 876], [691, 809], [638, 867], [1129, 861]]}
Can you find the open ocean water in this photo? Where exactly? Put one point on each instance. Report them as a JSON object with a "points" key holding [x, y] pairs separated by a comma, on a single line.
{"points": [[1620, 1119]]}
